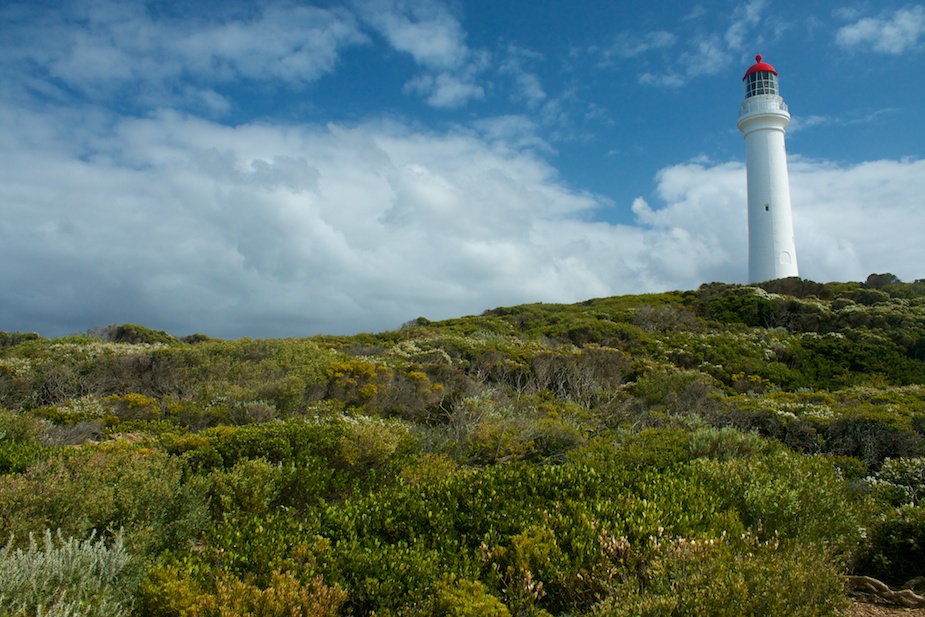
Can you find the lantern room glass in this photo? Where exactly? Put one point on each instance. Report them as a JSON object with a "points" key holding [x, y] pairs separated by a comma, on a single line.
{"points": [[761, 82]]}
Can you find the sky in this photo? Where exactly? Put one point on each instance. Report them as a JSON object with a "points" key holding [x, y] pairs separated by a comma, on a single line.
{"points": [[287, 169]]}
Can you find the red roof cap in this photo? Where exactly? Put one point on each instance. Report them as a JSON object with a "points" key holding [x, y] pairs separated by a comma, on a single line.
{"points": [[759, 67]]}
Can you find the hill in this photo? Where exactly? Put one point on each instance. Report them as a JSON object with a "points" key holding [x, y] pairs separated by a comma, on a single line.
{"points": [[731, 450]]}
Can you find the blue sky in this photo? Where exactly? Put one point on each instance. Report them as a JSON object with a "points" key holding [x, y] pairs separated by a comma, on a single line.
{"points": [[294, 168]]}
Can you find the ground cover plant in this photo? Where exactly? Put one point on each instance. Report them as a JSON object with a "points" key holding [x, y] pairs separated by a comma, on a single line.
{"points": [[730, 450]]}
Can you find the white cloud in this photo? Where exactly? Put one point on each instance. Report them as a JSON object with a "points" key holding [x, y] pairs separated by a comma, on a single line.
{"points": [[849, 221], [706, 56], [183, 224], [744, 19], [105, 49], [802, 123], [704, 53], [434, 38], [665, 80], [292, 43], [445, 89], [629, 44], [426, 30], [856, 117], [893, 33], [516, 132], [869, 212], [187, 225], [272, 228], [527, 85]]}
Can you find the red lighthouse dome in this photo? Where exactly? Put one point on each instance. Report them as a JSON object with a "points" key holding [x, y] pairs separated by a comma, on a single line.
{"points": [[759, 67]]}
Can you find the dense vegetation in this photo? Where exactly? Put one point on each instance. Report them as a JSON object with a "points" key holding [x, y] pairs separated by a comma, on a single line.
{"points": [[733, 450]]}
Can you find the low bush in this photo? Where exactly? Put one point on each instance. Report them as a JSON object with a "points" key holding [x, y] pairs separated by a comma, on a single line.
{"points": [[105, 489], [64, 576], [729, 577], [894, 550], [900, 481], [871, 441], [727, 443], [796, 497], [20, 441], [250, 487], [465, 598], [285, 596]]}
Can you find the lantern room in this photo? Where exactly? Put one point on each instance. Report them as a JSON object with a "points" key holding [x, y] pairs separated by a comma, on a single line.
{"points": [[761, 78]]}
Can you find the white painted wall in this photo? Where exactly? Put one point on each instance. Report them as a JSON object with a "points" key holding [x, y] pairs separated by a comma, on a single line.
{"points": [[771, 248]]}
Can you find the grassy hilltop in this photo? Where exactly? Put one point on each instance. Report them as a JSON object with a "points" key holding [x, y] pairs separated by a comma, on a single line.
{"points": [[734, 450]]}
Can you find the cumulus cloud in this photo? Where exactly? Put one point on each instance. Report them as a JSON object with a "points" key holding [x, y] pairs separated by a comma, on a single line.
{"points": [[849, 220], [891, 33], [188, 225], [270, 228]]}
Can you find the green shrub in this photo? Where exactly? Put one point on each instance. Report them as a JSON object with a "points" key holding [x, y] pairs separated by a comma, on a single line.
{"points": [[20, 444], [466, 598], [170, 589], [134, 334], [659, 449], [106, 488], [133, 406], [427, 468], [871, 441], [786, 495], [663, 387], [524, 565], [850, 468], [16, 457], [386, 578], [371, 444], [18, 427], [11, 339], [285, 596], [191, 590], [250, 487], [74, 410], [65, 577], [726, 443], [900, 481], [894, 550], [730, 578]]}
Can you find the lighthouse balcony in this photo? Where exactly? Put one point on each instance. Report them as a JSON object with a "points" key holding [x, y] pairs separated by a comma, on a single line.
{"points": [[767, 103]]}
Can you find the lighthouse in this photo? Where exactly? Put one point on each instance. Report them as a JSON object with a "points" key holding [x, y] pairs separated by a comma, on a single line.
{"points": [[772, 253]]}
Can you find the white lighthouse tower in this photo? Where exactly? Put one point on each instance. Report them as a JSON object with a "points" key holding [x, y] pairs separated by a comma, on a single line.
{"points": [[763, 116]]}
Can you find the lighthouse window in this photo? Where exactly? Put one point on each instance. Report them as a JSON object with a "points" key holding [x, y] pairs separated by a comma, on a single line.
{"points": [[760, 83]]}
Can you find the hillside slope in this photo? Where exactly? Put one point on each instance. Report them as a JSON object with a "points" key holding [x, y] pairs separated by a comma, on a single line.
{"points": [[730, 450]]}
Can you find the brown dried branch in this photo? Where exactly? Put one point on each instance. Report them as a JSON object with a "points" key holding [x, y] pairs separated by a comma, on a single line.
{"points": [[904, 597]]}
